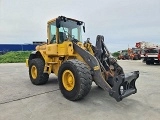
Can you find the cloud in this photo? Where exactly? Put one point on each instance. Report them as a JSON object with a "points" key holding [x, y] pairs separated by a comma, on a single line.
{"points": [[122, 22]]}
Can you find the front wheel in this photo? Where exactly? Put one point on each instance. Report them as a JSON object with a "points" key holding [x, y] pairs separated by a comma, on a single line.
{"points": [[36, 68], [75, 79]]}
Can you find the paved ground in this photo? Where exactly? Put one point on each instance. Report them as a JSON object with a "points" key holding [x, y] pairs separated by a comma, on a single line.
{"points": [[20, 100]]}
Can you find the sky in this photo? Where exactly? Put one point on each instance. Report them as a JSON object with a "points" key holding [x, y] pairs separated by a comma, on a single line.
{"points": [[121, 22]]}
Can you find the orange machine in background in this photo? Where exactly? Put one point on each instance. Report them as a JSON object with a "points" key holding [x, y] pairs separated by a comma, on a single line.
{"points": [[134, 53], [123, 55]]}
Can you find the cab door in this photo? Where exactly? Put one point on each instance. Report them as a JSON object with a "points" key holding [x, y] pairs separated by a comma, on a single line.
{"points": [[159, 55], [52, 47]]}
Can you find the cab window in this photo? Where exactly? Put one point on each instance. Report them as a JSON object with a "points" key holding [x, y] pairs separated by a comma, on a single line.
{"points": [[63, 33], [52, 33]]}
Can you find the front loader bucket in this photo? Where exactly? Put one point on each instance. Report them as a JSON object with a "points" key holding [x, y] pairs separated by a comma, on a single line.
{"points": [[124, 85]]}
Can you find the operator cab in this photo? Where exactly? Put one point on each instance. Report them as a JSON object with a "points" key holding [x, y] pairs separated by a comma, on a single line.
{"points": [[62, 29]]}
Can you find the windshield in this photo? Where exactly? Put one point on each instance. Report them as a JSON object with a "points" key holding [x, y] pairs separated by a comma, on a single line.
{"points": [[124, 53], [152, 51], [136, 51], [71, 30]]}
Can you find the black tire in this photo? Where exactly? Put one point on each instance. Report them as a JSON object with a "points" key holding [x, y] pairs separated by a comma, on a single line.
{"points": [[82, 76], [135, 58], [41, 78], [139, 57], [152, 62], [148, 62]]}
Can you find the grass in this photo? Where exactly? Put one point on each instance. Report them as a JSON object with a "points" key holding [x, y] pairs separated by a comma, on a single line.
{"points": [[21, 56], [15, 57]]}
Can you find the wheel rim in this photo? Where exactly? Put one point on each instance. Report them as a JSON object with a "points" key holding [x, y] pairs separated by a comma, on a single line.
{"points": [[34, 72], [68, 80]]}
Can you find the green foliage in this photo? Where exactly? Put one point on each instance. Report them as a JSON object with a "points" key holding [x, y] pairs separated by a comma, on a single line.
{"points": [[15, 57], [115, 54]]}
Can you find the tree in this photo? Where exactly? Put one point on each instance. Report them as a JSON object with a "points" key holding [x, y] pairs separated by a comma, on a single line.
{"points": [[115, 54]]}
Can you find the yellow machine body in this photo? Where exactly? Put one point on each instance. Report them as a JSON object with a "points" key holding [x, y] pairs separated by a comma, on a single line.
{"points": [[77, 64]]}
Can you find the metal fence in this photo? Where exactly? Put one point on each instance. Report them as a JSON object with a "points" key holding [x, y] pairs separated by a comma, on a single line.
{"points": [[16, 47]]}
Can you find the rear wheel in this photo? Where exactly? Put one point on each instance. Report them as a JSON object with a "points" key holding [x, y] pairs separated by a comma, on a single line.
{"points": [[75, 79], [36, 68]]}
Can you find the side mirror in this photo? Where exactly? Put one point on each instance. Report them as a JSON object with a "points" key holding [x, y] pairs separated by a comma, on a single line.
{"points": [[58, 22], [84, 29], [47, 41]]}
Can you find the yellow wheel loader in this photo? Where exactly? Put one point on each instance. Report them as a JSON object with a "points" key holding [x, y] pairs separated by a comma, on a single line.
{"points": [[78, 64]]}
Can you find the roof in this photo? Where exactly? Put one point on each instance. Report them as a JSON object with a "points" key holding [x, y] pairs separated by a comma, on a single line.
{"points": [[53, 20]]}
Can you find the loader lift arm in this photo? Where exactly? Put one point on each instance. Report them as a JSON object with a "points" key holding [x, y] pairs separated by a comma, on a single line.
{"points": [[100, 62]]}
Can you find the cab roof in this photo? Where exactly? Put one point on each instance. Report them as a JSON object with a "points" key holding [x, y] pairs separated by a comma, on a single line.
{"points": [[53, 20]]}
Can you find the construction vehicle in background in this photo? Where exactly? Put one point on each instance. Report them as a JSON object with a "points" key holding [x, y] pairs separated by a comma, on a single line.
{"points": [[134, 53], [130, 54], [76, 64], [123, 55], [150, 53]]}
